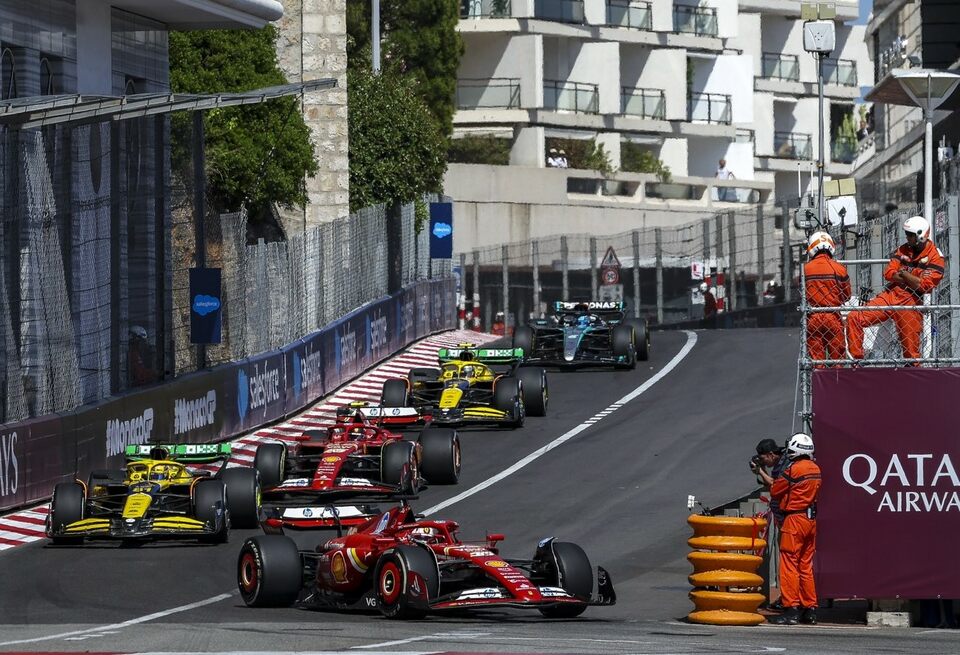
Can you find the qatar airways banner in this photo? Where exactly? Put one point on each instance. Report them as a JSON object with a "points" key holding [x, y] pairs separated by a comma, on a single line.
{"points": [[888, 519]]}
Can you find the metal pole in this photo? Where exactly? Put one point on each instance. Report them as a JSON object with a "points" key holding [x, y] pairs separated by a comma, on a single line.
{"points": [[761, 268], [476, 289], [706, 243], [732, 236], [787, 275], [462, 309], [928, 159], [593, 268], [535, 262], [953, 252], [375, 33], [565, 268], [659, 245], [821, 216], [636, 273], [199, 210], [504, 255]]}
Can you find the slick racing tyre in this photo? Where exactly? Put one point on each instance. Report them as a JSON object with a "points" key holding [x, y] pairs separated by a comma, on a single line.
{"points": [[574, 575], [394, 394], [270, 462], [269, 571], [243, 496], [524, 337], [508, 397], [210, 506], [68, 506], [398, 465], [534, 386], [440, 455], [622, 341], [396, 585], [641, 337]]}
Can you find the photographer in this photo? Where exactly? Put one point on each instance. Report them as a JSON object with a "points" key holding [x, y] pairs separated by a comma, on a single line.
{"points": [[769, 456]]}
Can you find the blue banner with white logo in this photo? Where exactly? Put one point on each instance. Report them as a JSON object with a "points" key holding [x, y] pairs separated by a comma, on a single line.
{"points": [[205, 309], [441, 230]]}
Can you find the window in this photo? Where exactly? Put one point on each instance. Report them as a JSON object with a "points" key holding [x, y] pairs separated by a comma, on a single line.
{"points": [[8, 75]]}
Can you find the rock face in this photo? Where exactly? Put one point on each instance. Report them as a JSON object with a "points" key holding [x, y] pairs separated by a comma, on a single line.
{"points": [[313, 44]]}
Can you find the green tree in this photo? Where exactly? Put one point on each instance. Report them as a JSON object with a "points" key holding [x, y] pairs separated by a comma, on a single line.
{"points": [[397, 153], [256, 154], [420, 39], [638, 159], [845, 139]]}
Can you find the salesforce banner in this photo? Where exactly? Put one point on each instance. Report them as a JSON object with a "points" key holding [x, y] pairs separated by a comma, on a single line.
{"points": [[889, 508]]}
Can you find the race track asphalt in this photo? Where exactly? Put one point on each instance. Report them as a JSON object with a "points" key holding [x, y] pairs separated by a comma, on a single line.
{"points": [[618, 488]]}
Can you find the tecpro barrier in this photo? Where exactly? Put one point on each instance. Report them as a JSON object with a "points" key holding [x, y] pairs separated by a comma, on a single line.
{"points": [[219, 403]]}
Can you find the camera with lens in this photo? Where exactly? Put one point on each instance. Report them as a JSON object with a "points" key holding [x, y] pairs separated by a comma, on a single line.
{"points": [[756, 462]]}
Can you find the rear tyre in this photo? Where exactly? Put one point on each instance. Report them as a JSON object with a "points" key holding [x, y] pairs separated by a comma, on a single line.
{"points": [[524, 337], [533, 383], [574, 575], [394, 394], [269, 571], [622, 342], [210, 506], [641, 337], [243, 496], [394, 582], [440, 455], [269, 462], [398, 465], [68, 506], [508, 397]]}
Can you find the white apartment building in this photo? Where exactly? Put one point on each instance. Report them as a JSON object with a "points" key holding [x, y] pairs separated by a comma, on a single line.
{"points": [[689, 81]]}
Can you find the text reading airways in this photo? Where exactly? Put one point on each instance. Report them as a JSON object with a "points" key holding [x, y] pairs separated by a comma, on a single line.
{"points": [[861, 470], [9, 467]]}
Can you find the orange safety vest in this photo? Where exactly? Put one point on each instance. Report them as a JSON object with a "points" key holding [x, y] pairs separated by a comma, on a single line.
{"points": [[797, 488], [827, 282], [927, 264]]}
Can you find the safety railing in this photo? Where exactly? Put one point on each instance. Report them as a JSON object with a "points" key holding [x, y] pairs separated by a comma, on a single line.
{"points": [[792, 145], [485, 9], [645, 103], [629, 14], [571, 96], [701, 21], [563, 11], [841, 72], [492, 93], [710, 108], [780, 67]]}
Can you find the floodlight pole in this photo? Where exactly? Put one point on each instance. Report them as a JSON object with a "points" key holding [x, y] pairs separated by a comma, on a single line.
{"points": [[928, 156], [821, 215], [375, 33]]}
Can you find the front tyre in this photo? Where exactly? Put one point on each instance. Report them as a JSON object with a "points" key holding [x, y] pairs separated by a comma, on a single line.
{"points": [[398, 465], [398, 596], [574, 575], [641, 337], [243, 496], [269, 571], [269, 462], [534, 385], [68, 506], [440, 455], [623, 346], [210, 506]]}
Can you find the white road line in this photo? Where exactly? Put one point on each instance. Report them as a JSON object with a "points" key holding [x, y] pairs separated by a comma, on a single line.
{"points": [[124, 624], [540, 452]]}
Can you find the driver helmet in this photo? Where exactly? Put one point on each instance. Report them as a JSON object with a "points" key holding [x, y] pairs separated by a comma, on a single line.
{"points": [[159, 473], [426, 535], [467, 371], [356, 433], [583, 321]]}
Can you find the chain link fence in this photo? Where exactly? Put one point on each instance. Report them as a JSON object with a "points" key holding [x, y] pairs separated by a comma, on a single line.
{"points": [[658, 271]]}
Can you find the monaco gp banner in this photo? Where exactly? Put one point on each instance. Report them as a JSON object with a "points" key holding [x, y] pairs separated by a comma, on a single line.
{"points": [[889, 509]]}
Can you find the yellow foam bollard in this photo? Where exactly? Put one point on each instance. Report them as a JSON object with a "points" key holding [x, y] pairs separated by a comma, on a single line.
{"points": [[734, 561]]}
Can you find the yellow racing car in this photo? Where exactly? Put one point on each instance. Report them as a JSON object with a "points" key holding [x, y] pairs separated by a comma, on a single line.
{"points": [[156, 496]]}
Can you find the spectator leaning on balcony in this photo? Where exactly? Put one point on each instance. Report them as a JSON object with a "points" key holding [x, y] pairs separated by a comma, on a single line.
{"points": [[562, 160], [553, 159], [827, 285], [915, 269], [725, 194]]}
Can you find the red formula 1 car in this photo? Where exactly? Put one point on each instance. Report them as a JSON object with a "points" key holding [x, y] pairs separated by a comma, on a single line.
{"points": [[356, 455], [407, 567]]}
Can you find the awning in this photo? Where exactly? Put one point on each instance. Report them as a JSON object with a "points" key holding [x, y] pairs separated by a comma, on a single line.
{"points": [[40, 111]]}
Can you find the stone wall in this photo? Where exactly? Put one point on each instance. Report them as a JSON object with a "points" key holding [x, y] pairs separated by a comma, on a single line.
{"points": [[313, 44]]}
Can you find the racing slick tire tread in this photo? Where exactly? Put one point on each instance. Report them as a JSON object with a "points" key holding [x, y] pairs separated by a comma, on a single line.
{"points": [[641, 336], [392, 596], [575, 575], [534, 384], [622, 340], [508, 397], [398, 465], [68, 506], [270, 463], [395, 394], [206, 494], [269, 571], [526, 338], [243, 496], [440, 455]]}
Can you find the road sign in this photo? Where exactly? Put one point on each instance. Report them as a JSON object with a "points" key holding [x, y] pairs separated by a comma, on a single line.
{"points": [[610, 276], [610, 259]]}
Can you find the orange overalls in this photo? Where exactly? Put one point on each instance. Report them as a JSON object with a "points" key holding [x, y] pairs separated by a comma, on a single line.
{"points": [[928, 265], [796, 490], [828, 285]]}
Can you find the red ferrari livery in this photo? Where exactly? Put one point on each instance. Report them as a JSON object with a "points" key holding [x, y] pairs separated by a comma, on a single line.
{"points": [[356, 455], [407, 567]]}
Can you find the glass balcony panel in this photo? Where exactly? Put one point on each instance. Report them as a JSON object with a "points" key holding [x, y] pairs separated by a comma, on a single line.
{"points": [[710, 108], [564, 11], [792, 145], [841, 72], [701, 21], [570, 96], [485, 8], [781, 67], [632, 15], [646, 103], [502, 93]]}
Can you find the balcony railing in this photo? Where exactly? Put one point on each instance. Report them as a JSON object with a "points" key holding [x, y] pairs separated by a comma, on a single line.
{"points": [[497, 92], [564, 11], [781, 67], [844, 149], [792, 145], [646, 103], [484, 8], [710, 108], [842, 72], [633, 15], [701, 21], [571, 96]]}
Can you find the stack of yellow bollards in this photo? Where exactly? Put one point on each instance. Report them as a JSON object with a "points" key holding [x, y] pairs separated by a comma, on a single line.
{"points": [[725, 580]]}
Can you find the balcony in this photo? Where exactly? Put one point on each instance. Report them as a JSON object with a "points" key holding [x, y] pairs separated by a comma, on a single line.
{"points": [[844, 150], [563, 11], [629, 14], [714, 108], [571, 96], [781, 67], [841, 72], [645, 103], [792, 145], [492, 93], [701, 21], [484, 8]]}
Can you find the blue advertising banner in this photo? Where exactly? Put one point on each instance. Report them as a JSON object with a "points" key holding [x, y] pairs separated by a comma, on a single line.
{"points": [[441, 230], [205, 309]]}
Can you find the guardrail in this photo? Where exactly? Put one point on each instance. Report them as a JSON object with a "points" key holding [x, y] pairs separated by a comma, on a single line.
{"points": [[492, 93], [710, 108], [629, 14], [781, 67], [571, 96], [646, 103], [701, 21], [222, 402], [792, 145]]}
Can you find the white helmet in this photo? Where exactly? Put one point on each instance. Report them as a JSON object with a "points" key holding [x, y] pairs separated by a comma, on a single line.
{"points": [[800, 445], [917, 225], [820, 241], [703, 287], [138, 331]]}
